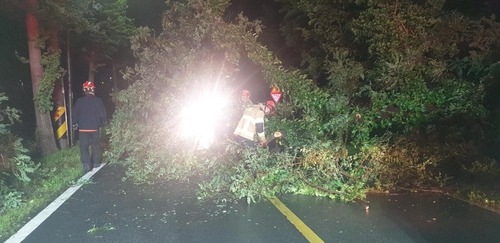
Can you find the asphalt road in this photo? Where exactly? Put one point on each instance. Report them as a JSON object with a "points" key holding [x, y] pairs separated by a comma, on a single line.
{"points": [[110, 210]]}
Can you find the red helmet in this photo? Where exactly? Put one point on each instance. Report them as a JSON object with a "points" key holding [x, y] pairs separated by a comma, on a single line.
{"points": [[245, 93], [88, 85], [270, 107]]}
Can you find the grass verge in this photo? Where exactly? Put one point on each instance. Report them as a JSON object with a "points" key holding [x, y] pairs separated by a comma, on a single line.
{"points": [[56, 173]]}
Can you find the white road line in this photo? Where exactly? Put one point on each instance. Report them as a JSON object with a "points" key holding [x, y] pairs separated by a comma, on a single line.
{"points": [[46, 212]]}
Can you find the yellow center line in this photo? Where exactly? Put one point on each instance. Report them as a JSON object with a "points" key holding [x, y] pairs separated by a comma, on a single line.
{"points": [[301, 226]]}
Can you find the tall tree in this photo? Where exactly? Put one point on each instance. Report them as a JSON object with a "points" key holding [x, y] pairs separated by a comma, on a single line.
{"points": [[45, 134], [105, 41]]}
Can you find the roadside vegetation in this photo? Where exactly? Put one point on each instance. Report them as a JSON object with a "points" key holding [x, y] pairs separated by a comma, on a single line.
{"points": [[53, 175], [26, 186]]}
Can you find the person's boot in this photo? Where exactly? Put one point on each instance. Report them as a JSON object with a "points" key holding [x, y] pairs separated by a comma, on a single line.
{"points": [[86, 168]]}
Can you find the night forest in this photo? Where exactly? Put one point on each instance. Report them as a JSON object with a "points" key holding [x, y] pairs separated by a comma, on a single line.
{"points": [[378, 95]]}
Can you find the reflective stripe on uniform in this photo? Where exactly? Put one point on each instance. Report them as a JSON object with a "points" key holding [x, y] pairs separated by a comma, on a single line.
{"points": [[85, 130], [246, 126]]}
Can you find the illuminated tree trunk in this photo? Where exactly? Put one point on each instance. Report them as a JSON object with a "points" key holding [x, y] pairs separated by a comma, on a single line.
{"points": [[44, 132]]}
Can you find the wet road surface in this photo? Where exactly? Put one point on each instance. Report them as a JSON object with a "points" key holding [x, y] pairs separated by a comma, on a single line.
{"points": [[110, 210]]}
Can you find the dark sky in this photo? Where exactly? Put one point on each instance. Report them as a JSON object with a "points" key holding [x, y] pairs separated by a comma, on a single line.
{"points": [[12, 40], [475, 7]]}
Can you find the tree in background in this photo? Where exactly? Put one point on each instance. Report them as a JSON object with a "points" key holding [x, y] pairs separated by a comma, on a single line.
{"points": [[101, 25], [105, 40]]}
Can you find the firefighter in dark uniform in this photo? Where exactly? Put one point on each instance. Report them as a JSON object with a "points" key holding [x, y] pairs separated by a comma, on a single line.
{"points": [[88, 115]]}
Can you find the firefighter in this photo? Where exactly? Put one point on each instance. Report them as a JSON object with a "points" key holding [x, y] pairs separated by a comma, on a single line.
{"points": [[245, 99], [88, 116], [270, 107], [250, 129]]}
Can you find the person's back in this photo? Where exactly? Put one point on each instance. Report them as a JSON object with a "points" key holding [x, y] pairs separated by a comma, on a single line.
{"points": [[88, 115], [251, 124], [89, 112]]}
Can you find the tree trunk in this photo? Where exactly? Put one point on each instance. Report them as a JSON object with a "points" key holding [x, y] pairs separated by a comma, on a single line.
{"points": [[91, 70], [59, 115], [114, 79], [70, 92], [45, 135]]}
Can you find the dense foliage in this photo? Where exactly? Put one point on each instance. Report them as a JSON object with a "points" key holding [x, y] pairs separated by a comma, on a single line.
{"points": [[387, 76], [51, 74], [418, 75], [16, 166]]}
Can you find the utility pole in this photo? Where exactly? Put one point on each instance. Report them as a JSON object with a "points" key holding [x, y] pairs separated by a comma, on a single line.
{"points": [[70, 93]]}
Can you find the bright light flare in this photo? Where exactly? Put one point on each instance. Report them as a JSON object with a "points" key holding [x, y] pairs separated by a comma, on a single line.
{"points": [[201, 117]]}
